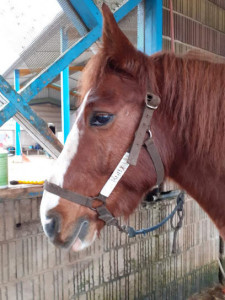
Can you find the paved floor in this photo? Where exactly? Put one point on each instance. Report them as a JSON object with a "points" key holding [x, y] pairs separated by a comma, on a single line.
{"points": [[216, 293], [32, 168]]}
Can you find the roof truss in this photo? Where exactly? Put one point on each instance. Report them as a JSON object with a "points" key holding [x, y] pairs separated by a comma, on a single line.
{"points": [[89, 19]]}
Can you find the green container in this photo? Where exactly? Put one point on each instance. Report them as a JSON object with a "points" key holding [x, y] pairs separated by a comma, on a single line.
{"points": [[3, 169]]}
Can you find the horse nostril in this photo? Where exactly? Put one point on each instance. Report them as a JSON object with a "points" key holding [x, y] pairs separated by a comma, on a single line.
{"points": [[83, 230], [52, 226]]}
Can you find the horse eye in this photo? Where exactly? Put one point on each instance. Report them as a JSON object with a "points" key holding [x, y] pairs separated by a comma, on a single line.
{"points": [[100, 119]]}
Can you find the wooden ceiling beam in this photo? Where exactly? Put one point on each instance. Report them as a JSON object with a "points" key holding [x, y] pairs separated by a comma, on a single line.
{"points": [[24, 72]]}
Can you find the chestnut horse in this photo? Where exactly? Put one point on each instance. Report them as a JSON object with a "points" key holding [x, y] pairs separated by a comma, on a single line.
{"points": [[188, 130]]}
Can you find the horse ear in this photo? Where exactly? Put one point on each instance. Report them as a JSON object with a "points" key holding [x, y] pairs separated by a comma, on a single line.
{"points": [[115, 44]]}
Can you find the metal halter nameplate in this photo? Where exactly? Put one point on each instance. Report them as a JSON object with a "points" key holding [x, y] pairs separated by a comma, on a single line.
{"points": [[116, 176]]}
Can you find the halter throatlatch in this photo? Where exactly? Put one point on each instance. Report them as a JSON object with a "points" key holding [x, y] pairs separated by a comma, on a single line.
{"points": [[130, 158]]}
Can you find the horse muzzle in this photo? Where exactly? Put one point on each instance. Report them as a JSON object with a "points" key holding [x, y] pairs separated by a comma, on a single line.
{"points": [[75, 237]]}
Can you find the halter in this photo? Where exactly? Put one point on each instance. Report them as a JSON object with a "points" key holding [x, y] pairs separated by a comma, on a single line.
{"points": [[130, 158]]}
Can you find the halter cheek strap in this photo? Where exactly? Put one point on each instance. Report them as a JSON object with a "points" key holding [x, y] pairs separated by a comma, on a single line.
{"points": [[152, 102], [129, 158]]}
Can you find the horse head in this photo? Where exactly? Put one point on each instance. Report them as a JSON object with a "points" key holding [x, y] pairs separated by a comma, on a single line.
{"points": [[187, 129], [113, 90]]}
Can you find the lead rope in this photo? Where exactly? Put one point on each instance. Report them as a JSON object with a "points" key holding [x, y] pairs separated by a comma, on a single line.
{"points": [[179, 208], [180, 215]]}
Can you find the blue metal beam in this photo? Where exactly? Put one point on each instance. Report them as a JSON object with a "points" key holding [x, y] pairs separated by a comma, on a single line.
{"points": [[17, 135], [47, 75], [7, 111], [26, 117], [73, 16], [76, 20], [65, 90], [88, 11], [18, 106], [16, 101], [149, 38], [125, 9]]}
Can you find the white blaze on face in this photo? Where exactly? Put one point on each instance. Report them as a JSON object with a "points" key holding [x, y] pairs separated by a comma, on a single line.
{"points": [[61, 165]]}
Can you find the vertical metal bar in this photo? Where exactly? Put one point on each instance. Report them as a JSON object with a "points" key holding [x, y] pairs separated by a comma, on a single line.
{"points": [[17, 133], [172, 27], [153, 26], [141, 26], [65, 91], [73, 16], [156, 26], [76, 20]]}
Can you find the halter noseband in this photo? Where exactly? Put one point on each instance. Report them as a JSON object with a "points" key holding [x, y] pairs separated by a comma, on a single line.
{"points": [[130, 158]]}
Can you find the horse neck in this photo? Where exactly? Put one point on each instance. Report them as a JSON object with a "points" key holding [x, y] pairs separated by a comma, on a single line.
{"points": [[183, 163]]}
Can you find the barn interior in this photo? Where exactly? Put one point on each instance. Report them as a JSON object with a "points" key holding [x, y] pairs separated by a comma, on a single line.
{"points": [[39, 96]]}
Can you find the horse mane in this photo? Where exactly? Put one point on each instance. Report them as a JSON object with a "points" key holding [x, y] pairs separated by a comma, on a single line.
{"points": [[192, 88]]}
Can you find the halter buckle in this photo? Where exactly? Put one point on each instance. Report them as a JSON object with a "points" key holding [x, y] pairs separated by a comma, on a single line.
{"points": [[152, 101], [101, 198], [150, 133]]}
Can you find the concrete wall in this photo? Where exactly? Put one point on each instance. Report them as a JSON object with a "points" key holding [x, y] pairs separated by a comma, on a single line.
{"points": [[114, 267]]}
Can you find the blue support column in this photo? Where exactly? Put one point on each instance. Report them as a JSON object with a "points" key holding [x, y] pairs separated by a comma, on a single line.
{"points": [[65, 91], [17, 133], [149, 39]]}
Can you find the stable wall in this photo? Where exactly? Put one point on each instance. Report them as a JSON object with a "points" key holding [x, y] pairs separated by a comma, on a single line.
{"points": [[114, 267], [198, 24]]}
